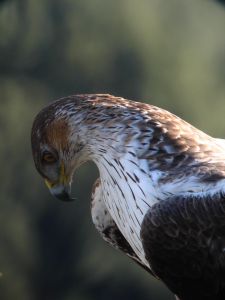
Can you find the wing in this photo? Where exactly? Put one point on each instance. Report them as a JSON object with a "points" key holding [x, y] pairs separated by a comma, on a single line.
{"points": [[178, 151], [184, 242], [108, 228]]}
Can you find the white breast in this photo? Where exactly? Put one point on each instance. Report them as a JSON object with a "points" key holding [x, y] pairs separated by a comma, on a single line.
{"points": [[128, 193]]}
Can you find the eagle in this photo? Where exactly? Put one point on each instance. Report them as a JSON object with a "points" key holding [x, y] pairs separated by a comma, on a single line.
{"points": [[160, 197]]}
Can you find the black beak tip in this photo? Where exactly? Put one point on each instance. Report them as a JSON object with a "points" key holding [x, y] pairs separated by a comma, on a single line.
{"points": [[64, 196]]}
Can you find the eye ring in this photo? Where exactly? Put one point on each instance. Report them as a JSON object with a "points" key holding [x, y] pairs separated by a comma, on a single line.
{"points": [[48, 158]]}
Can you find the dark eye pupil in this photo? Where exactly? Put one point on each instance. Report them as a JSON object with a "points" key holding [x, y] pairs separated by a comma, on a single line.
{"points": [[48, 158]]}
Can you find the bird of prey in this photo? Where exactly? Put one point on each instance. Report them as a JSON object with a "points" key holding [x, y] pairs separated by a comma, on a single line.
{"points": [[160, 197]]}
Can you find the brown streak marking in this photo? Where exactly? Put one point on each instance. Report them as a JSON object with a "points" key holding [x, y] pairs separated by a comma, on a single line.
{"points": [[57, 134]]}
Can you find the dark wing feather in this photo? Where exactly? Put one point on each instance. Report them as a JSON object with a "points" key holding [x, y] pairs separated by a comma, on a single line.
{"points": [[114, 238], [184, 242]]}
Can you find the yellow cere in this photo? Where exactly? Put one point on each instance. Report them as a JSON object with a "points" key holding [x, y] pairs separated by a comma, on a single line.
{"points": [[63, 179]]}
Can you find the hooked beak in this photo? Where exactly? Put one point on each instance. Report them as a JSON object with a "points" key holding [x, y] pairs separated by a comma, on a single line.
{"points": [[62, 188]]}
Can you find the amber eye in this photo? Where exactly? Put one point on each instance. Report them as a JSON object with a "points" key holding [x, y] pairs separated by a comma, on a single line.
{"points": [[48, 158]]}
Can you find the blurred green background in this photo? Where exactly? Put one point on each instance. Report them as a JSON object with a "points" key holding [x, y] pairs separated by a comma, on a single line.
{"points": [[170, 53]]}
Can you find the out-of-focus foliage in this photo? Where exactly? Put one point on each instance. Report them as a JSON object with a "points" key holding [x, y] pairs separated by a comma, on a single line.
{"points": [[169, 53], [221, 1]]}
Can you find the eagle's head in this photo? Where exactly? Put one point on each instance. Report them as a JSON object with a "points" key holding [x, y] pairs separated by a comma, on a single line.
{"points": [[56, 147]]}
